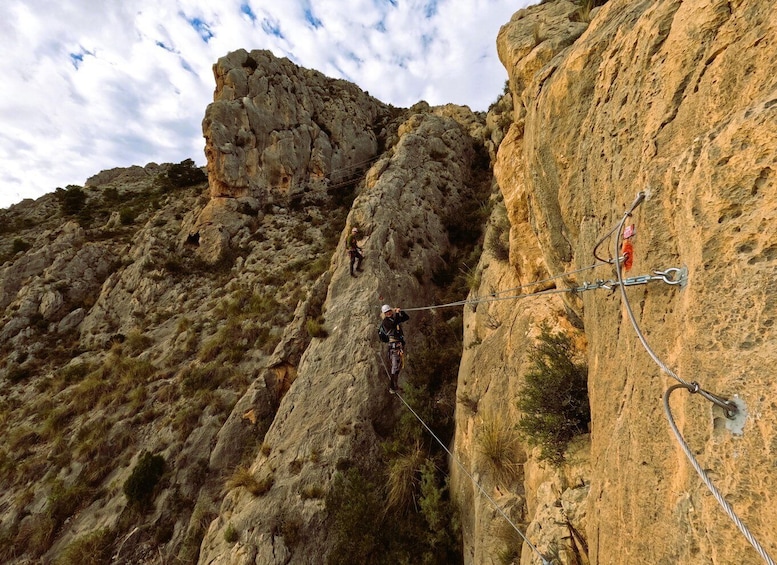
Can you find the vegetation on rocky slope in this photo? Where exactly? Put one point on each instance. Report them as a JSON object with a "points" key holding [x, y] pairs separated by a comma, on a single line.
{"points": [[81, 411]]}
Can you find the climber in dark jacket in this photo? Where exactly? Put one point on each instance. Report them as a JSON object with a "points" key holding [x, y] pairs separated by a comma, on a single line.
{"points": [[354, 251], [390, 327]]}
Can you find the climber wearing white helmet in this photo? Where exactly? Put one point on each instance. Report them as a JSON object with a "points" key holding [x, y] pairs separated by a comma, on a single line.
{"points": [[390, 332]]}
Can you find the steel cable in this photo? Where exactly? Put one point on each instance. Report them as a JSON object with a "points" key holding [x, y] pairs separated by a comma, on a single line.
{"points": [[707, 481], [464, 470], [692, 387]]}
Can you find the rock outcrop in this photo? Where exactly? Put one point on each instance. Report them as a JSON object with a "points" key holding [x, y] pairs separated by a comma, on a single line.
{"points": [[278, 133], [338, 398]]}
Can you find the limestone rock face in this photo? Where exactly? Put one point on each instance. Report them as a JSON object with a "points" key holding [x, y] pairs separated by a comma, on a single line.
{"points": [[273, 126], [46, 284], [675, 99], [276, 132], [338, 398]]}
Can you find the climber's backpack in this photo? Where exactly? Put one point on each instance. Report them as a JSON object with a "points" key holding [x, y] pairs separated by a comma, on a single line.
{"points": [[384, 337]]}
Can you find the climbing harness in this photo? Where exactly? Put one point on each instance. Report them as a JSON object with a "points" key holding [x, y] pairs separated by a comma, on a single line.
{"points": [[543, 559]]}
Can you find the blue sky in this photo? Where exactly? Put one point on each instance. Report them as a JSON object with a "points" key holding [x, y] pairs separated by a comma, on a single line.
{"points": [[90, 85]]}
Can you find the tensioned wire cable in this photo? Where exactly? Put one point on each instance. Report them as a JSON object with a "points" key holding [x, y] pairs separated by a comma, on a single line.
{"points": [[707, 481], [491, 299], [464, 470], [346, 169], [494, 297], [691, 387]]}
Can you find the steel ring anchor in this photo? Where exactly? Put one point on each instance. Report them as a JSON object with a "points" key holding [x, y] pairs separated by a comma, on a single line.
{"points": [[673, 276]]}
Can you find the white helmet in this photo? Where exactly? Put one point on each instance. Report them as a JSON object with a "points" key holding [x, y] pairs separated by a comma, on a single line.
{"points": [[385, 308]]}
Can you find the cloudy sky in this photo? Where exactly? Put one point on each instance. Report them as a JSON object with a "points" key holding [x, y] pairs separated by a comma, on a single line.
{"points": [[89, 85]]}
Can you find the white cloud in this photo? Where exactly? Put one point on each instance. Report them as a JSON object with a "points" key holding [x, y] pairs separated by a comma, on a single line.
{"points": [[94, 85]]}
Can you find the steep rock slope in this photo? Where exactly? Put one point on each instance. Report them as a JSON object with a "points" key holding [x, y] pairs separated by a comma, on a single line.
{"points": [[190, 364], [337, 410], [675, 99]]}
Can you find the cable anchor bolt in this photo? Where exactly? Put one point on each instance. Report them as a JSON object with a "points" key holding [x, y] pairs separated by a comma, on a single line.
{"points": [[673, 276]]}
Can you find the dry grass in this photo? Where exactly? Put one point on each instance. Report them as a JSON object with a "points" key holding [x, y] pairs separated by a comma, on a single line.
{"points": [[510, 542], [498, 446], [403, 477], [94, 547], [311, 491], [243, 477]]}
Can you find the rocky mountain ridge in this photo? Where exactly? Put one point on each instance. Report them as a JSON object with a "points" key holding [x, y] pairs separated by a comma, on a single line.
{"points": [[193, 375]]}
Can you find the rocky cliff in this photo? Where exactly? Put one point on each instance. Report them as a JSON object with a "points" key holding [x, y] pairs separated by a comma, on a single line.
{"points": [[190, 365], [192, 375], [675, 99]]}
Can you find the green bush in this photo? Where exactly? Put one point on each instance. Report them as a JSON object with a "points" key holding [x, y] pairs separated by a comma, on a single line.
{"points": [[443, 533], [72, 199], [554, 399], [139, 487], [355, 505], [181, 175], [315, 327], [230, 534], [127, 215], [20, 245]]}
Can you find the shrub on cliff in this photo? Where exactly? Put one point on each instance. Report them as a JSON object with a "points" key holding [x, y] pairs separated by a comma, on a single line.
{"points": [[181, 175], [139, 487], [72, 199], [554, 399], [366, 531]]}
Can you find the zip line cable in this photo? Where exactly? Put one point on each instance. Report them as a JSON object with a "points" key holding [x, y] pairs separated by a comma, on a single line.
{"points": [[543, 560], [693, 388], [492, 296]]}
